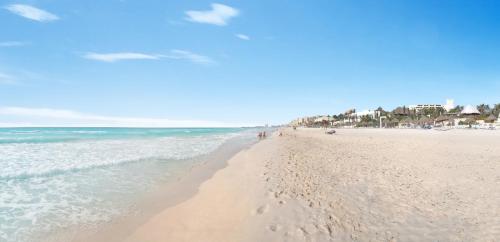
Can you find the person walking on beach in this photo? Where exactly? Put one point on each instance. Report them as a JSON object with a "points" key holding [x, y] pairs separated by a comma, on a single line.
{"points": [[260, 135], [264, 134]]}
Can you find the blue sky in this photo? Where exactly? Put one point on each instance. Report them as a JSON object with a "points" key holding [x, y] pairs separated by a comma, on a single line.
{"points": [[240, 62]]}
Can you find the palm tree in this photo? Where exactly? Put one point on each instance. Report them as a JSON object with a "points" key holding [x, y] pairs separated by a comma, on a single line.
{"points": [[483, 108], [496, 109], [432, 112], [457, 109]]}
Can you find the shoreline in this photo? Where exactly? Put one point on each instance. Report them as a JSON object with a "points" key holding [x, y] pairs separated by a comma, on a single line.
{"points": [[356, 185], [222, 208], [165, 195]]}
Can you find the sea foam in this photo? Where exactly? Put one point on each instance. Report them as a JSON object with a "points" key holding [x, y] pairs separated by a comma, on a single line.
{"points": [[91, 179], [21, 160]]}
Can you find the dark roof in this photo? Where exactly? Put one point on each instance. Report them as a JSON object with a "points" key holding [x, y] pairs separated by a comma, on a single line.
{"points": [[442, 118], [491, 118], [424, 120]]}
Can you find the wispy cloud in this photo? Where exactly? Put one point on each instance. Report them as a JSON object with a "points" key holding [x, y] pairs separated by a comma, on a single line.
{"points": [[112, 57], [173, 54], [190, 56], [219, 15], [31, 12], [6, 79], [22, 116], [242, 36], [12, 44]]}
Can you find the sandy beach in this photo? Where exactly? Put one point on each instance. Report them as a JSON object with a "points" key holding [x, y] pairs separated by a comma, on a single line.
{"points": [[357, 185]]}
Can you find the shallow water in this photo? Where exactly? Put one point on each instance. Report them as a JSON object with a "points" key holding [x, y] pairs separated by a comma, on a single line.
{"points": [[51, 178]]}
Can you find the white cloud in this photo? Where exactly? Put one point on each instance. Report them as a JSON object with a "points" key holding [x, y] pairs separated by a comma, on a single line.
{"points": [[187, 55], [173, 54], [219, 15], [45, 117], [112, 57], [31, 12], [7, 79], [243, 37], [12, 44]]}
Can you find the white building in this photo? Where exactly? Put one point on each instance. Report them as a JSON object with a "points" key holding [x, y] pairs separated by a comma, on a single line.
{"points": [[419, 107], [321, 119], [450, 104], [356, 117], [299, 122]]}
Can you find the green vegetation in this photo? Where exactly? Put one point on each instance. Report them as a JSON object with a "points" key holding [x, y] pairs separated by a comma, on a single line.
{"points": [[496, 110], [456, 109], [432, 112], [405, 116]]}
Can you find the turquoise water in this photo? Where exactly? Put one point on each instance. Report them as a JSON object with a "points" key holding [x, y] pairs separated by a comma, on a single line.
{"points": [[52, 178], [45, 135]]}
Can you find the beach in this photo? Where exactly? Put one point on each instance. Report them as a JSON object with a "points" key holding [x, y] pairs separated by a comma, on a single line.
{"points": [[356, 185], [249, 121]]}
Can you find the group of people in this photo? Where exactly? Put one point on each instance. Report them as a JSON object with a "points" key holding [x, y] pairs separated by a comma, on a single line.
{"points": [[262, 135]]}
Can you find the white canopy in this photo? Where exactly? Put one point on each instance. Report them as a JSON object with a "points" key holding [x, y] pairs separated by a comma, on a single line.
{"points": [[469, 109]]}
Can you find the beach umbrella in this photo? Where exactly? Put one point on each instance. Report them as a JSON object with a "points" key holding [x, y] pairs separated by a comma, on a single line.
{"points": [[407, 121], [424, 120], [491, 118], [442, 118], [470, 110], [470, 120]]}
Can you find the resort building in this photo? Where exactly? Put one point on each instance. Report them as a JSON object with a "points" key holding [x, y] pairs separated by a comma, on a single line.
{"points": [[450, 104], [299, 122], [370, 113], [312, 121], [324, 120], [419, 107]]}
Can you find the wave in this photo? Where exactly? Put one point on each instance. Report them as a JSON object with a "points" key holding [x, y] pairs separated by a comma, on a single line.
{"points": [[24, 131], [88, 132], [58, 171], [26, 160], [51, 186]]}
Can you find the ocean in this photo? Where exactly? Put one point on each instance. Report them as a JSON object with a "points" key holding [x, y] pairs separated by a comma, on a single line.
{"points": [[53, 178]]}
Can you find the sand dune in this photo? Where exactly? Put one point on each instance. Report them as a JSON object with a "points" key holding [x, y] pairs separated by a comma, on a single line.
{"points": [[357, 185]]}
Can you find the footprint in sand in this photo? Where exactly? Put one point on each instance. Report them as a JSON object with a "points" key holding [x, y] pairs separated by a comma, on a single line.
{"points": [[262, 209], [275, 227]]}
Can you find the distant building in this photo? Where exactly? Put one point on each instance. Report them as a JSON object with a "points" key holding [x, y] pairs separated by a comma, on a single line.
{"points": [[450, 104], [368, 112], [310, 121], [356, 117], [321, 119], [419, 107], [298, 122]]}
